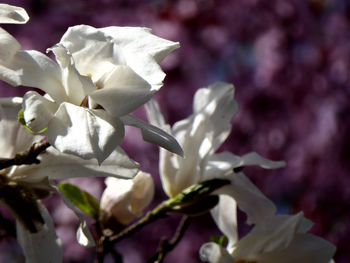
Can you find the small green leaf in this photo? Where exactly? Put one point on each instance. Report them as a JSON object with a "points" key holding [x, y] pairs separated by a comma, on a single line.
{"points": [[81, 199]]}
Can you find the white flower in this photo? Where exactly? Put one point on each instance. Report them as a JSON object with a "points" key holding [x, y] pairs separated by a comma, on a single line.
{"points": [[125, 200], [101, 76], [200, 135], [43, 246], [283, 239], [36, 178]]}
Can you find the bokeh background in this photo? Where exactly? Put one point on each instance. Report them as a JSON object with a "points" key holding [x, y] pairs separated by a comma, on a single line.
{"points": [[289, 61]]}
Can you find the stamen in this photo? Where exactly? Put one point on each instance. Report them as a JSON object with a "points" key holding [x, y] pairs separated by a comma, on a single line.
{"points": [[85, 102]]}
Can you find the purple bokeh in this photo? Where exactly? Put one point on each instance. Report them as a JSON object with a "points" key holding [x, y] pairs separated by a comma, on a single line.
{"points": [[289, 61]]}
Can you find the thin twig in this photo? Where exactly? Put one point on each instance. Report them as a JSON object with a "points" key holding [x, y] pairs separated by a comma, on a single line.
{"points": [[27, 157], [157, 213], [167, 246]]}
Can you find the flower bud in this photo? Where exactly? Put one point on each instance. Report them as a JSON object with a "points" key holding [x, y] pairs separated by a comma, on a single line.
{"points": [[124, 199]]}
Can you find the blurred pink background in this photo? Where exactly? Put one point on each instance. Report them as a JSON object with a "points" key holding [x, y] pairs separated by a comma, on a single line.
{"points": [[289, 61]]}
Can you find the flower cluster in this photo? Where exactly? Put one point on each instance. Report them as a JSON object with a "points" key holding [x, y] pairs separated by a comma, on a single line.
{"points": [[74, 128]]}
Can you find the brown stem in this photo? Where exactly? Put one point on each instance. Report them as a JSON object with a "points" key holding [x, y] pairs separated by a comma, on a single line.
{"points": [[27, 157], [167, 246]]}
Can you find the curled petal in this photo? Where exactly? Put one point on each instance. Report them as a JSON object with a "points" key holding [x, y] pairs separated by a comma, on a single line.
{"points": [[122, 91], [43, 246], [75, 85], [10, 14], [33, 69], [249, 198], [225, 217], [218, 165], [38, 111], [85, 133], [154, 135], [254, 158], [132, 46]]}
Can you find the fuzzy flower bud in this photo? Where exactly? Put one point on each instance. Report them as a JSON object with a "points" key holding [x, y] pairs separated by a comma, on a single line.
{"points": [[124, 200]]}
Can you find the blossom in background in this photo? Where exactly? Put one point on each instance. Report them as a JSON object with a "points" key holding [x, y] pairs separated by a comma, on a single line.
{"points": [[22, 186], [124, 200], [200, 135], [283, 238], [101, 75]]}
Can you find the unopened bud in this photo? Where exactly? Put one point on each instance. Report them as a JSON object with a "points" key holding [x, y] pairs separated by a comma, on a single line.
{"points": [[125, 199]]}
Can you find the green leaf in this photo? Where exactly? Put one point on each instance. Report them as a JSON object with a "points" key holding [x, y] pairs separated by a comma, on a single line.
{"points": [[81, 199]]}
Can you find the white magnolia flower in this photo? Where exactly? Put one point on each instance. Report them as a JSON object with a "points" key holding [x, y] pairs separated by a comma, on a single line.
{"points": [[101, 75], [200, 135], [283, 239], [125, 200], [36, 178]]}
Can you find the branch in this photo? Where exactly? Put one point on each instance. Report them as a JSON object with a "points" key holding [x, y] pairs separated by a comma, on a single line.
{"points": [[27, 157], [157, 213], [166, 246]]}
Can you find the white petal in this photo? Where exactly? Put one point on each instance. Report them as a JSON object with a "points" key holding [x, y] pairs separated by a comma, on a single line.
{"points": [[155, 116], [143, 192], [154, 135], [218, 105], [213, 253], [282, 240], [43, 246], [33, 69], [38, 111], [222, 163], [9, 46], [115, 201], [10, 14], [225, 217], [122, 91], [249, 199], [132, 46], [94, 53], [85, 133], [275, 235], [76, 86], [304, 248], [57, 165], [14, 137], [142, 51]]}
